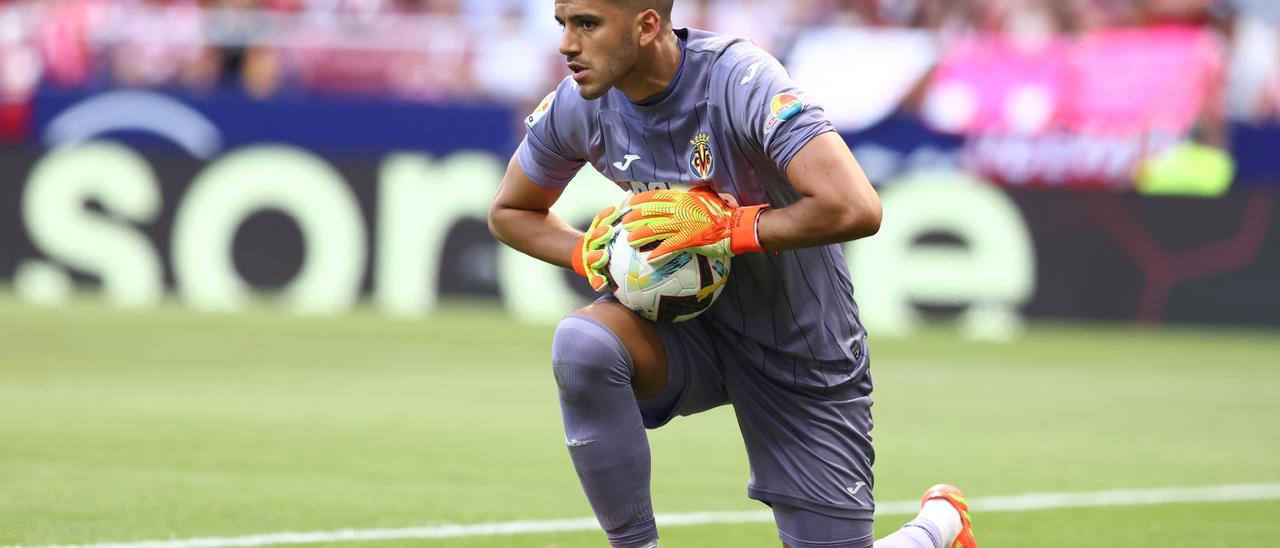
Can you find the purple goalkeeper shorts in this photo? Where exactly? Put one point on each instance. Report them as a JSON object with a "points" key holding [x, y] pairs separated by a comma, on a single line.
{"points": [[809, 446]]}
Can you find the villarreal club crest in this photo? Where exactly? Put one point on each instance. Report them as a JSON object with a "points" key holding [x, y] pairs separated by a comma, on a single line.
{"points": [[701, 162]]}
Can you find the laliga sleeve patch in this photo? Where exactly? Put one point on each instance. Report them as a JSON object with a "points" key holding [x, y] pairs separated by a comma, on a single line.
{"points": [[783, 107], [543, 108]]}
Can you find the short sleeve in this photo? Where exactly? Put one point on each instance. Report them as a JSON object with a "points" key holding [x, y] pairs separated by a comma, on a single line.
{"points": [[763, 102], [551, 152]]}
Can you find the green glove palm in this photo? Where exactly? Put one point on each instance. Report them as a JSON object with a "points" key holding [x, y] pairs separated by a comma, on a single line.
{"points": [[591, 255]]}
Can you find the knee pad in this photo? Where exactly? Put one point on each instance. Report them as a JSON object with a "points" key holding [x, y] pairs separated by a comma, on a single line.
{"points": [[586, 354]]}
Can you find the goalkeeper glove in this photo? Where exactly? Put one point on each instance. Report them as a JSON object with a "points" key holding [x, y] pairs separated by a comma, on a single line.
{"points": [[591, 254], [697, 220]]}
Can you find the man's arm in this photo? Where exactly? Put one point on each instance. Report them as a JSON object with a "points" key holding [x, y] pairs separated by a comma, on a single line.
{"points": [[838, 204], [520, 217]]}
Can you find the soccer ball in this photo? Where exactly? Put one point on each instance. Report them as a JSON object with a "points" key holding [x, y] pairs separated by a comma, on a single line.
{"points": [[679, 288]]}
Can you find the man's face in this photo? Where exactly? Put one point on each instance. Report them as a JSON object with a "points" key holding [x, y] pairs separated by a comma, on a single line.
{"points": [[599, 42]]}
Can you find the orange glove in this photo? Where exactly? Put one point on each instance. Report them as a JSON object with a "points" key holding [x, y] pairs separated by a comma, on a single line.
{"points": [[591, 255], [697, 220]]}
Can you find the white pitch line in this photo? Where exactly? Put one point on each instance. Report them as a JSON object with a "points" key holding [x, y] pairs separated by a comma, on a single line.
{"points": [[1013, 503]]}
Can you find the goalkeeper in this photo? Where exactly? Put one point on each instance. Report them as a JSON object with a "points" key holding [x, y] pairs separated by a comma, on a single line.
{"points": [[783, 344]]}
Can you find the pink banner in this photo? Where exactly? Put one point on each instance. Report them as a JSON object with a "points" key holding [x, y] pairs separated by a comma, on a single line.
{"points": [[1114, 82], [1131, 81], [991, 84]]}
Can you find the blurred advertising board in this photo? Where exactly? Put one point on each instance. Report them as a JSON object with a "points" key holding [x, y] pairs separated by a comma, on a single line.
{"points": [[141, 212], [204, 126]]}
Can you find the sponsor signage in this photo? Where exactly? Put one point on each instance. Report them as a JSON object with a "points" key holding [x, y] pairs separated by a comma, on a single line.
{"points": [[141, 204], [404, 230]]}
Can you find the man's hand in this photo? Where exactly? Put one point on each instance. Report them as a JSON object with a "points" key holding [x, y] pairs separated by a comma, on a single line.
{"points": [[591, 255], [698, 220]]}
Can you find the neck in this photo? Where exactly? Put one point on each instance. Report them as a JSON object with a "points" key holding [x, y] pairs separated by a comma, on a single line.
{"points": [[656, 69]]}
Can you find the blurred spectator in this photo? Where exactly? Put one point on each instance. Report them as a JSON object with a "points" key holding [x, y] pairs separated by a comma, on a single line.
{"points": [[160, 43], [768, 24], [1253, 88], [64, 31], [505, 49], [20, 71], [503, 68], [1092, 15]]}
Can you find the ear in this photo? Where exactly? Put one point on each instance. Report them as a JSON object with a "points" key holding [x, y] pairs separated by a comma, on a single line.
{"points": [[650, 26]]}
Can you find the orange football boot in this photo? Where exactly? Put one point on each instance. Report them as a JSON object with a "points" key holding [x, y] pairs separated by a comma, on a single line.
{"points": [[956, 499]]}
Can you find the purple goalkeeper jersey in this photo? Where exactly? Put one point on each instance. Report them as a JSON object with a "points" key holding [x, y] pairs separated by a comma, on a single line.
{"points": [[731, 119]]}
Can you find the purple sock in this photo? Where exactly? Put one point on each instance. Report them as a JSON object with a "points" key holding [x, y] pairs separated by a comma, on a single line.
{"points": [[603, 429]]}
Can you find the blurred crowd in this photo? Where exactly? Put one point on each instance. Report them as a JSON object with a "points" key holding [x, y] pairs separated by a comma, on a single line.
{"points": [[463, 50]]}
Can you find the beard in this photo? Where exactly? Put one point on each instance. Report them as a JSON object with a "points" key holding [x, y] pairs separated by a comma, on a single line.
{"points": [[611, 70], [593, 88]]}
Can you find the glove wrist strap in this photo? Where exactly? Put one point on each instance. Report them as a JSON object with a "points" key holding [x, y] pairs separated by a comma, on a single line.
{"points": [[576, 259], [743, 237]]}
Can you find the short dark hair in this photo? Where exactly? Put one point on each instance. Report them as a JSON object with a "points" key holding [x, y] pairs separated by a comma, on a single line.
{"points": [[663, 7]]}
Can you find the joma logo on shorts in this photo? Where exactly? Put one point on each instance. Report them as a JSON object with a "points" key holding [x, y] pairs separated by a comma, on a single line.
{"points": [[853, 491]]}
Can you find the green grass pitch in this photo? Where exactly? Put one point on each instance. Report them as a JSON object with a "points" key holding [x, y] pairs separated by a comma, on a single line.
{"points": [[121, 426]]}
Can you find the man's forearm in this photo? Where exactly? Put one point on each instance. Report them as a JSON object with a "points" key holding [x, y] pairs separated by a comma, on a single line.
{"points": [[809, 222], [838, 203], [540, 234]]}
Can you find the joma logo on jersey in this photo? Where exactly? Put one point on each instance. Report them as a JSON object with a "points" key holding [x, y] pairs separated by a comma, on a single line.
{"points": [[701, 162]]}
